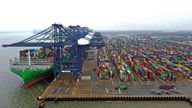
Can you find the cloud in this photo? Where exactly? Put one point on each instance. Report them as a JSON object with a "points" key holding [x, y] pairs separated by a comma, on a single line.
{"points": [[96, 14]]}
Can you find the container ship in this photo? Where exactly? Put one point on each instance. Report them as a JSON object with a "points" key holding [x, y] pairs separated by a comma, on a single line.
{"points": [[33, 65]]}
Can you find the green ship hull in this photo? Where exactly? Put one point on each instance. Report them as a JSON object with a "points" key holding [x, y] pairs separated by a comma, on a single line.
{"points": [[31, 76]]}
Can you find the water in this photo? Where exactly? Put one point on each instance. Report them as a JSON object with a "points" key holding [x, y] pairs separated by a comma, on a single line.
{"points": [[12, 95], [129, 104]]}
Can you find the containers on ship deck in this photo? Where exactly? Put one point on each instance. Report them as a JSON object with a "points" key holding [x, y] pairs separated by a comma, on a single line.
{"points": [[41, 53]]}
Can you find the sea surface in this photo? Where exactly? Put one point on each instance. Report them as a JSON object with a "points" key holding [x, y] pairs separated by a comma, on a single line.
{"points": [[12, 94]]}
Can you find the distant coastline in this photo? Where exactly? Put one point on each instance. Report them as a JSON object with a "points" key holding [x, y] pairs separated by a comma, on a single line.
{"points": [[14, 31]]}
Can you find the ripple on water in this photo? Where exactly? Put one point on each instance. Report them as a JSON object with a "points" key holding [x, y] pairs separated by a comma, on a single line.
{"points": [[123, 104]]}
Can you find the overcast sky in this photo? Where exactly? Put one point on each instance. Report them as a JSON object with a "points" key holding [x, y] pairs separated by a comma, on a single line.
{"points": [[97, 14]]}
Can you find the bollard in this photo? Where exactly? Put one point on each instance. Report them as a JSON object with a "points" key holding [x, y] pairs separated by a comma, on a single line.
{"points": [[77, 79], [40, 101], [190, 100], [55, 100]]}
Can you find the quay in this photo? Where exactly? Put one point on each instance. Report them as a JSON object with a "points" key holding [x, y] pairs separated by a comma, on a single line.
{"points": [[67, 87]]}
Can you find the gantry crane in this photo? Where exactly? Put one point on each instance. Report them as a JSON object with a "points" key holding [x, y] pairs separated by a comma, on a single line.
{"points": [[60, 37]]}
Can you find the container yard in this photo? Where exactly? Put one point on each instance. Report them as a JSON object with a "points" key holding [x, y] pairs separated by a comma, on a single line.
{"points": [[131, 66], [87, 65]]}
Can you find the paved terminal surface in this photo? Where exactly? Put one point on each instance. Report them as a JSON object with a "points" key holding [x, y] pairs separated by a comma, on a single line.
{"points": [[90, 87], [67, 85]]}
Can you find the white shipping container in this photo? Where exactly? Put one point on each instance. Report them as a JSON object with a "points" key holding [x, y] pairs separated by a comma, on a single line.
{"points": [[85, 78]]}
